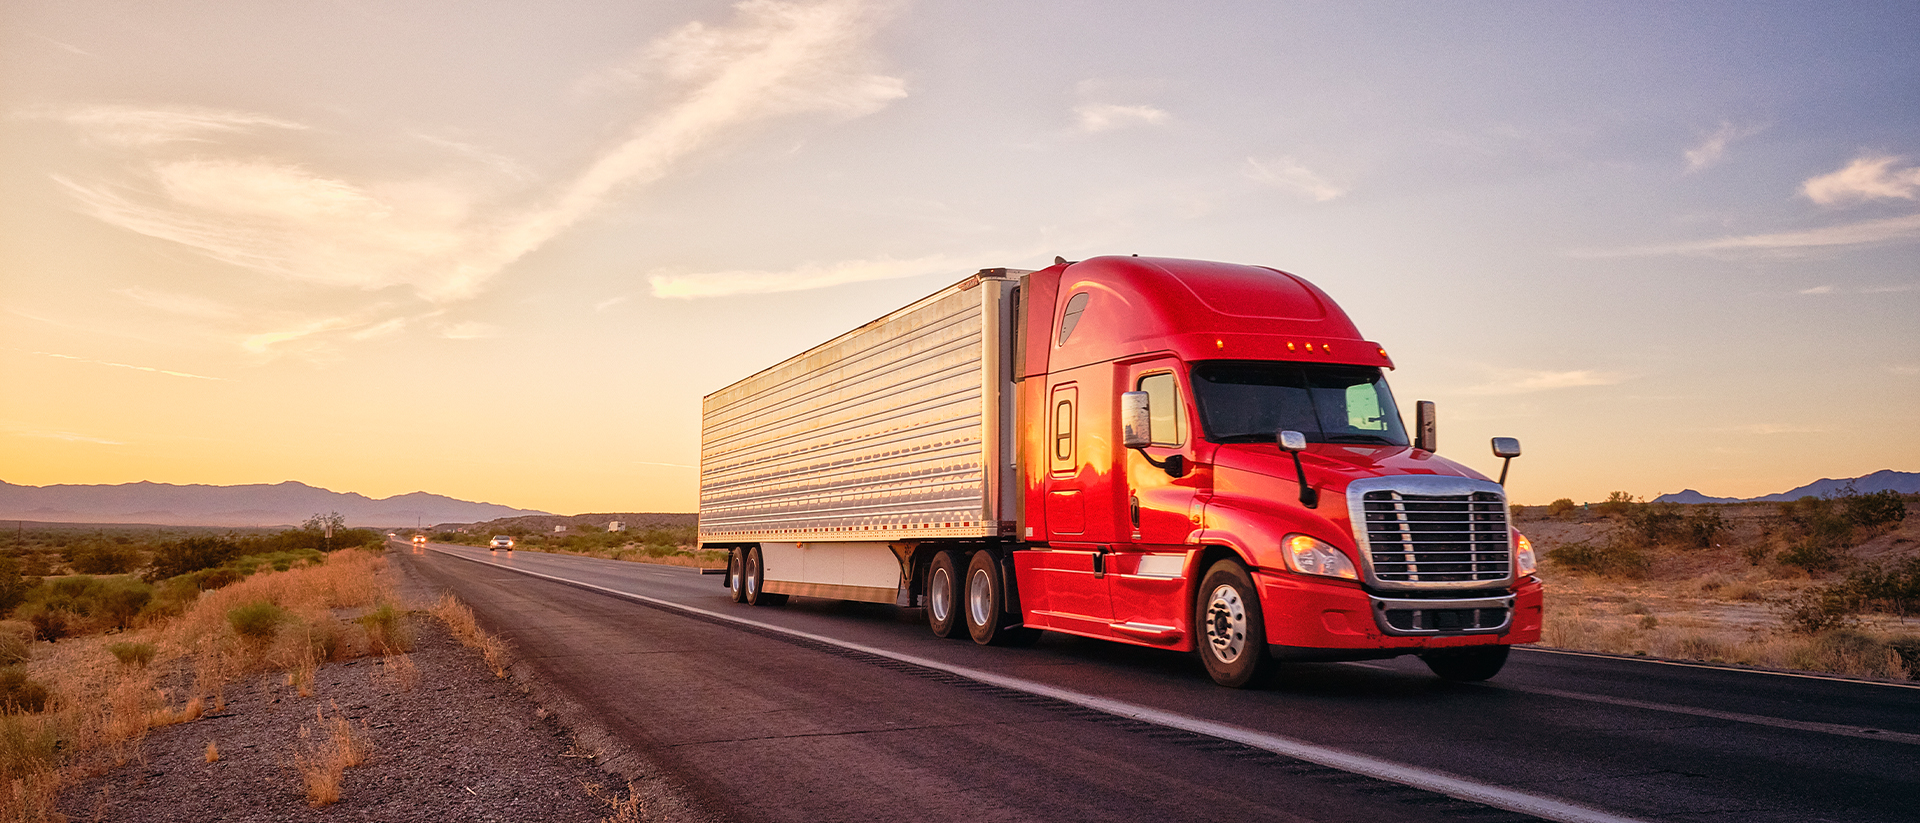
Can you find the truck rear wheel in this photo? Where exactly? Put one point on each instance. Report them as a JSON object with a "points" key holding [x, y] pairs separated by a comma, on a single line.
{"points": [[1231, 629], [943, 594], [985, 605], [1468, 665], [754, 580], [736, 582]]}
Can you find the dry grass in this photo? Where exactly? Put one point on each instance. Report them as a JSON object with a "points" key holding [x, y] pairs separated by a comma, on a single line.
{"points": [[101, 707], [460, 622], [323, 763], [629, 809], [213, 752]]}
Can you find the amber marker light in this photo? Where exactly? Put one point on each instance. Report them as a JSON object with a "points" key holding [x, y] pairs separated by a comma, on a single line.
{"points": [[1219, 344]]}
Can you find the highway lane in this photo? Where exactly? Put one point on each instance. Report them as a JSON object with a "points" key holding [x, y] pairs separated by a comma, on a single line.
{"points": [[1638, 739]]}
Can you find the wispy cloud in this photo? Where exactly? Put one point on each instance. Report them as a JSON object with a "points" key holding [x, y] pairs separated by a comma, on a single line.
{"points": [[1867, 232], [810, 276], [1872, 177], [1287, 174], [150, 369], [1528, 381], [1099, 117], [139, 127], [202, 179], [1765, 429], [1713, 147]]}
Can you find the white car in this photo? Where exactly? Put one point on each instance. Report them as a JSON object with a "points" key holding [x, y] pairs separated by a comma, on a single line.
{"points": [[501, 541]]}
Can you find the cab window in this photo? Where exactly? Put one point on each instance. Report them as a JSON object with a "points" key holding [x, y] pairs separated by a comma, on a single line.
{"points": [[1167, 424]]}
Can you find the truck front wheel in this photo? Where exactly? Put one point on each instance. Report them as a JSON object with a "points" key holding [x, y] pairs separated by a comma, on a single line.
{"points": [[1232, 633], [1468, 665], [754, 579], [943, 594]]}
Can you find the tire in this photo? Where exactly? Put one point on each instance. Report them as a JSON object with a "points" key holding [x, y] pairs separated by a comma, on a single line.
{"points": [[753, 574], [1230, 629], [736, 587], [1468, 665], [984, 605], [944, 603]]}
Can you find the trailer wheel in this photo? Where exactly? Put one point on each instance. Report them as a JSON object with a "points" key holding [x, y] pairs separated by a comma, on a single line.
{"points": [[754, 579], [1233, 634], [1468, 665], [943, 594], [985, 605], [736, 582]]}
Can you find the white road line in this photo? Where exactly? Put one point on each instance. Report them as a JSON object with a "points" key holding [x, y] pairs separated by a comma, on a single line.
{"points": [[1458, 787]]}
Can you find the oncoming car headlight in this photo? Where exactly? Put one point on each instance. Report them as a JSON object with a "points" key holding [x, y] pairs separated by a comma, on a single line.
{"points": [[1309, 556], [1524, 562]]}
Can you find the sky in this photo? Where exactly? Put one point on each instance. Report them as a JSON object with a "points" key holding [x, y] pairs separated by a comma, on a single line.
{"points": [[499, 251]]}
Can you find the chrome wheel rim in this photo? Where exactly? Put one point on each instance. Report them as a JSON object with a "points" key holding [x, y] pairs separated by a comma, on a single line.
{"points": [[1226, 624], [751, 579], [980, 597], [940, 594]]}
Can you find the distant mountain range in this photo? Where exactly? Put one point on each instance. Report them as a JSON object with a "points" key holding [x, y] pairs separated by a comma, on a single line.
{"points": [[1880, 481], [279, 504]]}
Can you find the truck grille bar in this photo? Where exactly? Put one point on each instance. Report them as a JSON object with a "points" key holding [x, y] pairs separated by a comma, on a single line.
{"points": [[1432, 533]]}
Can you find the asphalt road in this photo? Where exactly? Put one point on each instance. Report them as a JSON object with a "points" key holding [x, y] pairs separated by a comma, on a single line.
{"points": [[823, 710]]}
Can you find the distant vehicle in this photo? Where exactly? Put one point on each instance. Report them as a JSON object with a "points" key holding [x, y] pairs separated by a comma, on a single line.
{"points": [[501, 541], [419, 540]]}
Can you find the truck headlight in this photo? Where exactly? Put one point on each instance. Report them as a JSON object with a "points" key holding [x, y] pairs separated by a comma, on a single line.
{"points": [[1309, 556], [1524, 562]]}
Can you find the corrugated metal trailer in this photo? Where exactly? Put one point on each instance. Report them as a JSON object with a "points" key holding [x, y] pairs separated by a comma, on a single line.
{"points": [[895, 431]]}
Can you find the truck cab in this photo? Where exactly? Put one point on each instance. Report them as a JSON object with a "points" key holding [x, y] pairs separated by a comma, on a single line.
{"points": [[1197, 526]]}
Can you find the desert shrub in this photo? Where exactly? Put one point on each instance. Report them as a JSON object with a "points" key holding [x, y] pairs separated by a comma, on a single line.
{"points": [[1820, 609], [50, 624], [105, 558], [1892, 588], [387, 629], [190, 555], [16, 643], [258, 620], [1614, 557], [1616, 504], [18, 693], [13, 584], [1562, 507], [1701, 527], [1874, 510], [1908, 647], [132, 654], [1811, 554], [1652, 524]]}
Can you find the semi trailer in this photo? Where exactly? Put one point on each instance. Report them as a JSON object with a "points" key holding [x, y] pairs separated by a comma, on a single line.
{"points": [[1179, 454]]}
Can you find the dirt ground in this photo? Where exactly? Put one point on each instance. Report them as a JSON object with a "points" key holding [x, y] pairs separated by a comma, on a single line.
{"points": [[447, 741]]}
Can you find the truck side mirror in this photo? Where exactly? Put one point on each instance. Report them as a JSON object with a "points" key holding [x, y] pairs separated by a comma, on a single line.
{"points": [[1136, 420], [1505, 448], [1293, 442], [1426, 436], [1136, 432]]}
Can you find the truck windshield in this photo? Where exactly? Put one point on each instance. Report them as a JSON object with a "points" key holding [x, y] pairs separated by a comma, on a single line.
{"points": [[1252, 401]]}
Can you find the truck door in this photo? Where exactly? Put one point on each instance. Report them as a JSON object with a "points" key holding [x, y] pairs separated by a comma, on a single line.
{"points": [[1147, 567], [1071, 568]]}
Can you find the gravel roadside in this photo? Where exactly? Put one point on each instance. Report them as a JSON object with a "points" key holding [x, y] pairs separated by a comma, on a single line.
{"points": [[448, 741]]}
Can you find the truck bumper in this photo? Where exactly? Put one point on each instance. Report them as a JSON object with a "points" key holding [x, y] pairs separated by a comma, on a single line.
{"points": [[1311, 618]]}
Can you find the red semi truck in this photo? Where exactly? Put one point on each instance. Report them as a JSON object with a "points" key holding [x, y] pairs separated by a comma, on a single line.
{"points": [[1178, 454]]}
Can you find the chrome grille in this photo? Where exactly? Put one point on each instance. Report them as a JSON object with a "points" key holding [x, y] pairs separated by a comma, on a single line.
{"points": [[1417, 540]]}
